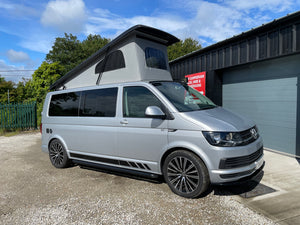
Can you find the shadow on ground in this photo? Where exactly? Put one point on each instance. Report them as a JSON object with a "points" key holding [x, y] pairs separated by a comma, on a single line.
{"points": [[245, 189]]}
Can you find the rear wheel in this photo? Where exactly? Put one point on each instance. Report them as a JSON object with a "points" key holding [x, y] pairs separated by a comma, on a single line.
{"points": [[58, 155], [186, 174]]}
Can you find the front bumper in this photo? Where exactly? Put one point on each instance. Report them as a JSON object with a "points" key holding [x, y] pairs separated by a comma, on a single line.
{"points": [[235, 174]]}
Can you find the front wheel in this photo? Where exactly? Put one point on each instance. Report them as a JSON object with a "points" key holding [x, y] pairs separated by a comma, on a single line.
{"points": [[186, 174], [58, 155]]}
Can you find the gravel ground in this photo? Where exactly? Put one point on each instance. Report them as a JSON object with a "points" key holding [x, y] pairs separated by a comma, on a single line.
{"points": [[32, 191]]}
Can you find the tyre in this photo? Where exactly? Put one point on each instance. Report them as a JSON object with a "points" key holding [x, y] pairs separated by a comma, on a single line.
{"points": [[186, 174], [58, 155]]}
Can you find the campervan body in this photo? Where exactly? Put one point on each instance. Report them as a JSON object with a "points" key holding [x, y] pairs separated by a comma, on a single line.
{"points": [[145, 123]]}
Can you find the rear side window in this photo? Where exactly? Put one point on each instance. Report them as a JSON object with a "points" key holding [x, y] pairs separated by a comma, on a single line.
{"points": [[136, 100], [99, 103], [113, 61], [155, 58], [64, 104]]}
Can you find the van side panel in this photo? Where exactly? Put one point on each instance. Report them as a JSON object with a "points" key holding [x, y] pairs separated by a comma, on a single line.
{"points": [[85, 135]]}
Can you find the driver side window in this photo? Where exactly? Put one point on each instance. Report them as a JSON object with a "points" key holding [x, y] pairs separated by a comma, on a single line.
{"points": [[136, 99]]}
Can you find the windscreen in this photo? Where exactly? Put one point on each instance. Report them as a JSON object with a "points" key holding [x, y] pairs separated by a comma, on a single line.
{"points": [[183, 97]]}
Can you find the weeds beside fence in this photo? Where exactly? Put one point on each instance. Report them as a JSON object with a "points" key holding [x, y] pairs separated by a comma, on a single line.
{"points": [[18, 116]]}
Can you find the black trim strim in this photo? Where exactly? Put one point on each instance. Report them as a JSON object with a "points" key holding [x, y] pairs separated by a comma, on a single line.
{"points": [[142, 166]]}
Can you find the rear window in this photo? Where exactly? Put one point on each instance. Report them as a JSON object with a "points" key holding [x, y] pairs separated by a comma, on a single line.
{"points": [[64, 104], [92, 103]]}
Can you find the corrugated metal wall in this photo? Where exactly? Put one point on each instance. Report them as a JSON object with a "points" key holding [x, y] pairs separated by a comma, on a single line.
{"points": [[279, 41]]}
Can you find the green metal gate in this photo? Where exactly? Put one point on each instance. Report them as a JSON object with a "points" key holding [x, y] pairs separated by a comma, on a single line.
{"points": [[18, 115]]}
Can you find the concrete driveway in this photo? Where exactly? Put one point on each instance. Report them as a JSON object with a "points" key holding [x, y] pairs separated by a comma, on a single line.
{"points": [[282, 173], [32, 191]]}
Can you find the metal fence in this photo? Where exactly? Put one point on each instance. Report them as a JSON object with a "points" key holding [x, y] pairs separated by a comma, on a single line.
{"points": [[18, 115]]}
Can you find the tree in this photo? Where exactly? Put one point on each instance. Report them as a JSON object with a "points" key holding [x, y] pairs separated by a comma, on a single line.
{"points": [[42, 78], [182, 48], [92, 44], [66, 51], [6, 86], [21, 90], [70, 52]]}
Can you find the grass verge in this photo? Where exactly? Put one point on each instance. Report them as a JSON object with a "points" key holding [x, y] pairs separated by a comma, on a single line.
{"points": [[13, 132]]}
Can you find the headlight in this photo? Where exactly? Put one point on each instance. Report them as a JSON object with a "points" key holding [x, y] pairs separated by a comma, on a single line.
{"points": [[223, 139]]}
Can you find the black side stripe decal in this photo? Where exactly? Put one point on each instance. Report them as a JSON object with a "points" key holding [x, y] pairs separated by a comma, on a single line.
{"points": [[112, 161]]}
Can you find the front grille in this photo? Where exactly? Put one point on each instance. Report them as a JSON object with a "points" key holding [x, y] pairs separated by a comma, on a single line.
{"points": [[241, 161], [248, 137]]}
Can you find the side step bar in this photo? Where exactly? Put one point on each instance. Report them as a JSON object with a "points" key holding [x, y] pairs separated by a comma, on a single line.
{"points": [[96, 166]]}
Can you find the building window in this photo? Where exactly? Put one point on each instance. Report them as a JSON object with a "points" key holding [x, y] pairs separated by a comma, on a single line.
{"points": [[155, 58]]}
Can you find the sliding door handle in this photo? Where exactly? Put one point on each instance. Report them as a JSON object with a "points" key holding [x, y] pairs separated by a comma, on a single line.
{"points": [[123, 122]]}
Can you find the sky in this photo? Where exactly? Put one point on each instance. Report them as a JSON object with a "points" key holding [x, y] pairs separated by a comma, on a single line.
{"points": [[28, 28]]}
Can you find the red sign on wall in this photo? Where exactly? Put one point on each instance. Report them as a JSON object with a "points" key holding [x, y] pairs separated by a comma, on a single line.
{"points": [[197, 81]]}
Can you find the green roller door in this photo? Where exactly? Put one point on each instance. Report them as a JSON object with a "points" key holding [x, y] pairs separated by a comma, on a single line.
{"points": [[268, 95]]}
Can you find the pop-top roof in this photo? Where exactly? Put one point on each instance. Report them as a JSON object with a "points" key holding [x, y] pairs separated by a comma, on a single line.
{"points": [[146, 32]]}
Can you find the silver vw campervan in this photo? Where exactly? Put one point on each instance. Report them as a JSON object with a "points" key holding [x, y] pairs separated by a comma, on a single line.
{"points": [[150, 127]]}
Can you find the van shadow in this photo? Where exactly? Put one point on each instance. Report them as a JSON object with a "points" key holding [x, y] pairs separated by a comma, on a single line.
{"points": [[245, 189]]}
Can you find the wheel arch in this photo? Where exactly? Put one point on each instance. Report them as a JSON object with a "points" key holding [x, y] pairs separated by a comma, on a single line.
{"points": [[61, 141], [169, 151]]}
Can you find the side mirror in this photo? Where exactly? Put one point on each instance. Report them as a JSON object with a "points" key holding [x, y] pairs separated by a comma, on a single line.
{"points": [[155, 112]]}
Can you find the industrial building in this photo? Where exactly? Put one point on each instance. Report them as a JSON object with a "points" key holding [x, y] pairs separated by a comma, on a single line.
{"points": [[255, 74]]}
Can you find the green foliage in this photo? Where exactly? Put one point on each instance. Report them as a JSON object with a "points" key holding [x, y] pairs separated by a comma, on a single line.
{"points": [[65, 51], [4, 87], [92, 44], [69, 51], [182, 48]]}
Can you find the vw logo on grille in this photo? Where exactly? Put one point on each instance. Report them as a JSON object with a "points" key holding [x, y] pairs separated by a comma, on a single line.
{"points": [[254, 133]]}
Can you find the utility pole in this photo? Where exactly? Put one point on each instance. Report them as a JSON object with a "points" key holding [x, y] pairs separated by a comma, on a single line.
{"points": [[8, 95]]}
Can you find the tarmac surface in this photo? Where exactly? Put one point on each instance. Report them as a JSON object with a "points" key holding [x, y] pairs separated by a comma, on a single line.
{"points": [[281, 173]]}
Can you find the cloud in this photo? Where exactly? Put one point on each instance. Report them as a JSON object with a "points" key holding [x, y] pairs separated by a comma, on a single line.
{"points": [[215, 22], [211, 22], [207, 21], [38, 44], [65, 15], [18, 11], [108, 24], [17, 57]]}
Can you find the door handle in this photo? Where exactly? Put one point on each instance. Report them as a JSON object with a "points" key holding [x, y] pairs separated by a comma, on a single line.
{"points": [[123, 122]]}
